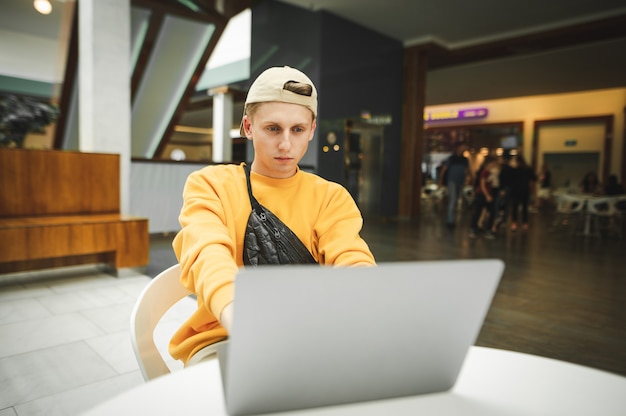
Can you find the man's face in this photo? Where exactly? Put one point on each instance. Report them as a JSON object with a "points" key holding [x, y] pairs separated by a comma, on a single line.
{"points": [[280, 133]]}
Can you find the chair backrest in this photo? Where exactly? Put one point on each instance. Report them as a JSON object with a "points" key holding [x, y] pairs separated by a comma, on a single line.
{"points": [[441, 192], [164, 291], [602, 206], [620, 204], [468, 193], [429, 190], [569, 204]]}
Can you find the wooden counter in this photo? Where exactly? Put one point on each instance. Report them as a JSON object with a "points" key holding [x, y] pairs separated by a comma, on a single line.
{"points": [[61, 208]]}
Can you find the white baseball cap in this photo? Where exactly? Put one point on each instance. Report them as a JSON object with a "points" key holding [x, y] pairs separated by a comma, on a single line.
{"points": [[270, 86]]}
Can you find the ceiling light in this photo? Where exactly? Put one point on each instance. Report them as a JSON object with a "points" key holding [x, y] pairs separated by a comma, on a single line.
{"points": [[43, 6]]}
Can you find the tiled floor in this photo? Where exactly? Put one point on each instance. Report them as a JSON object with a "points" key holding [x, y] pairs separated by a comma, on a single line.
{"points": [[65, 342]]}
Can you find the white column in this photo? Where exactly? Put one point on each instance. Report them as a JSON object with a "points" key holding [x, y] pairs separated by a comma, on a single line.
{"points": [[104, 83], [222, 124]]}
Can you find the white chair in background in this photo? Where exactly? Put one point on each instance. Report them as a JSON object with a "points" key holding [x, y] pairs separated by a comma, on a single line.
{"points": [[429, 189], [439, 197], [602, 212], [441, 193], [468, 195], [429, 195], [608, 214], [163, 292], [569, 211], [620, 213]]}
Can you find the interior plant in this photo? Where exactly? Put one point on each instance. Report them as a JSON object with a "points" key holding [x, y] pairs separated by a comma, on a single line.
{"points": [[20, 115]]}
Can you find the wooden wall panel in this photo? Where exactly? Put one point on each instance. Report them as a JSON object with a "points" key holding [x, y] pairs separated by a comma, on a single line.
{"points": [[58, 240], [133, 243], [124, 242], [61, 208], [49, 182]]}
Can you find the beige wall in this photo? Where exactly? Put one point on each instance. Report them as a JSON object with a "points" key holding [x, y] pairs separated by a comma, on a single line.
{"points": [[589, 138], [547, 107]]}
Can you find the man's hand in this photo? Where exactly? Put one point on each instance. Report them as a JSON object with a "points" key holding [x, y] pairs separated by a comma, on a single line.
{"points": [[226, 318]]}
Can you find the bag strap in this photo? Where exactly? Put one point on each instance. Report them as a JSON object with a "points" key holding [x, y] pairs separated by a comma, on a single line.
{"points": [[300, 254], [255, 204]]}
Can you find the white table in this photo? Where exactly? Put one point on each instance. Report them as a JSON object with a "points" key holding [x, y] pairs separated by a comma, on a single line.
{"points": [[492, 382]]}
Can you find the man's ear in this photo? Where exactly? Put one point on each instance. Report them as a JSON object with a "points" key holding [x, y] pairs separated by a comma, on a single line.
{"points": [[245, 122], [313, 126]]}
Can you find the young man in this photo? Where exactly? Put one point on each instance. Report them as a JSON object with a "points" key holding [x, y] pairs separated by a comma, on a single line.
{"points": [[456, 170], [217, 215]]}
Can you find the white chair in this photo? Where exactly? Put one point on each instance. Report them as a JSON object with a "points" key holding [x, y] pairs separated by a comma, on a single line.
{"points": [[429, 195], [569, 211], [163, 292], [428, 190], [620, 212], [606, 214], [602, 212], [468, 195], [441, 193]]}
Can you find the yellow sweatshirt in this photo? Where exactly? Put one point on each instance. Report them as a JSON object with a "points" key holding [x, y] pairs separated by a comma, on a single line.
{"points": [[214, 215]]}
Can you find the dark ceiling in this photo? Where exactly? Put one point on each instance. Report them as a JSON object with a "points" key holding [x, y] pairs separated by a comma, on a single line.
{"points": [[491, 49]]}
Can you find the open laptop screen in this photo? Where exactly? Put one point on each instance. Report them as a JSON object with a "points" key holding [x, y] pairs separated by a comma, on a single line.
{"points": [[309, 336]]}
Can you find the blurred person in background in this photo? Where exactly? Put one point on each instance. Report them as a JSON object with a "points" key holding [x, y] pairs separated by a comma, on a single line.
{"points": [[613, 187], [454, 173], [544, 190], [523, 180], [590, 184]]}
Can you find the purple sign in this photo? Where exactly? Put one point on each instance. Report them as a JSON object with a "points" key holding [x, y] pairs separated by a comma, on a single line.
{"points": [[465, 114]]}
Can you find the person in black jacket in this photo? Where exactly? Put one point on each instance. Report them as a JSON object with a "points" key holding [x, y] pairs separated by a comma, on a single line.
{"points": [[454, 173], [613, 187], [523, 178]]}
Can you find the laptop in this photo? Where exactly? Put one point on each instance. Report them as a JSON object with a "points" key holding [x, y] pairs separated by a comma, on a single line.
{"points": [[308, 336]]}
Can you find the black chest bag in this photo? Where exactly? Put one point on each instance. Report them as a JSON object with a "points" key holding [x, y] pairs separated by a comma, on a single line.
{"points": [[268, 240]]}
